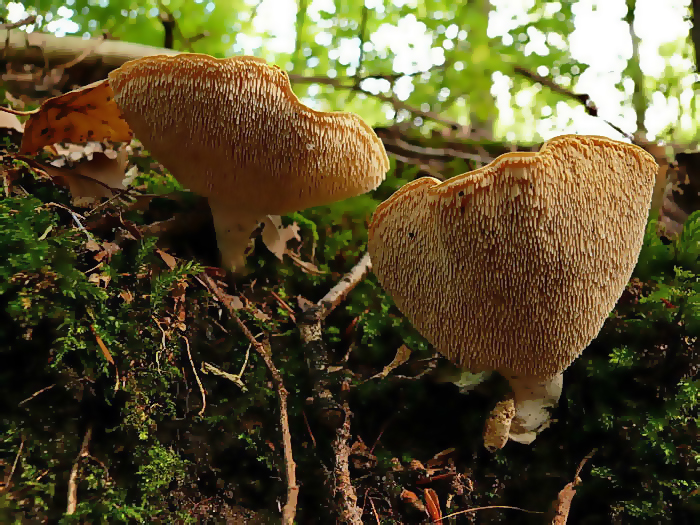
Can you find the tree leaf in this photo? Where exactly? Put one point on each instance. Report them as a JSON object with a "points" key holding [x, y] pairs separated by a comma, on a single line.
{"points": [[82, 115]]}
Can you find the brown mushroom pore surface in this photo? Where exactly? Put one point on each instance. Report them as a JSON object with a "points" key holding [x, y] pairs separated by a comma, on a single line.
{"points": [[515, 266]]}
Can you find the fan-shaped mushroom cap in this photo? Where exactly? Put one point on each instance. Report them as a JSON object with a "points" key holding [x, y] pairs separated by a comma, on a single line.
{"points": [[233, 130], [515, 266]]}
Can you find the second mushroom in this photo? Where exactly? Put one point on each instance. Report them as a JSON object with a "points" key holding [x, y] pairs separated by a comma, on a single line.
{"points": [[514, 267], [233, 131]]}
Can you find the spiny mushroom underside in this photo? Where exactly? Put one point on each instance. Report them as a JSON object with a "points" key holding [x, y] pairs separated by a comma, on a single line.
{"points": [[514, 267], [234, 126]]}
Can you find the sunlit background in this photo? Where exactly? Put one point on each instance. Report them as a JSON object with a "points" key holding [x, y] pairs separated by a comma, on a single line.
{"points": [[601, 40]]}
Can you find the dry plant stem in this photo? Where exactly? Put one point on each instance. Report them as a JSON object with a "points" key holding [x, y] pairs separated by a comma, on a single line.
{"points": [[263, 350], [345, 494], [8, 478], [73, 479], [196, 376]]}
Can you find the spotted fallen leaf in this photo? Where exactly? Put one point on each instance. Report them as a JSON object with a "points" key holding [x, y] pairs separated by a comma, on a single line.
{"points": [[82, 115], [276, 236]]}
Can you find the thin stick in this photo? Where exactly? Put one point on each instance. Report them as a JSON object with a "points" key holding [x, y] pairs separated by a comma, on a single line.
{"points": [[73, 480], [17, 112], [284, 305], [35, 394], [263, 350], [340, 291], [474, 509], [196, 376], [14, 466], [344, 491]]}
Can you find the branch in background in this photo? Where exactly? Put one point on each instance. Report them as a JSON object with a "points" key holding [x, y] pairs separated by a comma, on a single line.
{"points": [[264, 351], [168, 21], [340, 83], [582, 98], [299, 30], [340, 291], [638, 98], [695, 33], [14, 25], [363, 39]]}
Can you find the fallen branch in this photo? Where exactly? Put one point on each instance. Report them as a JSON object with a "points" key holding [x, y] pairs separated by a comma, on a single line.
{"points": [[73, 479], [345, 494], [563, 504], [340, 291], [336, 415], [264, 351], [8, 478], [14, 25]]}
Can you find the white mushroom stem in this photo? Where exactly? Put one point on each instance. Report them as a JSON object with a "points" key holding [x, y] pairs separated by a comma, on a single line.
{"points": [[233, 228], [535, 398]]}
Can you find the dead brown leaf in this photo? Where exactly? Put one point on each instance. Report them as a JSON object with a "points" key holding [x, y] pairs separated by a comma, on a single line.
{"points": [[82, 115], [127, 296], [305, 266], [103, 347], [432, 504], [167, 259]]}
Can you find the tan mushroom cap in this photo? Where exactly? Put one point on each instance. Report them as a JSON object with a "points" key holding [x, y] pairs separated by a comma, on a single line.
{"points": [[515, 266], [232, 129]]}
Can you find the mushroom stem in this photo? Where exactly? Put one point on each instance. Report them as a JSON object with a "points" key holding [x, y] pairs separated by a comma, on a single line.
{"points": [[233, 228], [535, 398]]}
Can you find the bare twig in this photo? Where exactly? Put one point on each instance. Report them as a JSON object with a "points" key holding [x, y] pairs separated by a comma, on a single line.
{"points": [[8, 478], [73, 479], [263, 350], [475, 509], [341, 290], [35, 394], [340, 83], [345, 493], [196, 376], [14, 25], [563, 504]]}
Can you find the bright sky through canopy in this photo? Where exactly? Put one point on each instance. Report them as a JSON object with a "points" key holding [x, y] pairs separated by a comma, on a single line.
{"points": [[601, 39]]}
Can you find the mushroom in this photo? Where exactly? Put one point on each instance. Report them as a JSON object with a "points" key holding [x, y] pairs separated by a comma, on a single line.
{"points": [[515, 266], [233, 131]]}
